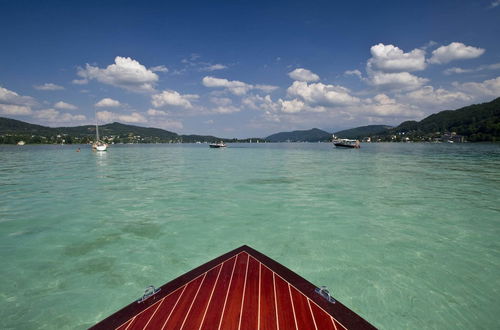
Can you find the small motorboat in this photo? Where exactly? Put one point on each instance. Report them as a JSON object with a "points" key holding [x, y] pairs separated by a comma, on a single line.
{"points": [[346, 143], [217, 145], [242, 289]]}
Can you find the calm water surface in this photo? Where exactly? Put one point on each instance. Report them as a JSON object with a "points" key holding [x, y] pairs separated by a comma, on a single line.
{"points": [[406, 235]]}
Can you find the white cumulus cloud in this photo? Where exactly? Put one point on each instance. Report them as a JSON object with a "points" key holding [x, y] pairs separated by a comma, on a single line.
{"points": [[355, 72], [395, 80], [12, 103], [53, 116], [125, 73], [389, 58], [214, 67], [224, 105], [301, 74], [234, 86], [318, 94], [154, 112], [108, 103], [65, 106], [257, 102], [159, 68], [222, 101], [48, 87], [11, 97], [292, 106], [266, 88], [173, 98], [454, 51], [225, 109], [15, 110], [108, 116], [80, 81], [484, 67], [430, 96], [490, 87], [382, 105]]}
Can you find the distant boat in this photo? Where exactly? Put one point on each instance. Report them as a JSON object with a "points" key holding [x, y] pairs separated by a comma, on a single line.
{"points": [[217, 145], [346, 143], [21, 143], [242, 289], [98, 144]]}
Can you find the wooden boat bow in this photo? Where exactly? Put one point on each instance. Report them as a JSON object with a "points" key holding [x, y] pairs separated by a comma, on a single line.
{"points": [[242, 289]]}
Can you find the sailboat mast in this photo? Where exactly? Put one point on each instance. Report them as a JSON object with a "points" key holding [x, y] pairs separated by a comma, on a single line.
{"points": [[96, 127]]}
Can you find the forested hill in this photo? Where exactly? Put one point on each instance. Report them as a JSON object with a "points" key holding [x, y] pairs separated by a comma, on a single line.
{"points": [[478, 122], [12, 131], [363, 131], [311, 135]]}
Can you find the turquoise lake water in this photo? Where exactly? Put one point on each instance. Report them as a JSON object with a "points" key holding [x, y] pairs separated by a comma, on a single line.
{"points": [[406, 235]]}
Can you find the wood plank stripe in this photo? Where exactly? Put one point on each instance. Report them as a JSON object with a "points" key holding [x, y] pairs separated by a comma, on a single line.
{"points": [[231, 316], [151, 316], [312, 315], [284, 304], [322, 319], [192, 302], [334, 323], [293, 306], [214, 309], [200, 303], [168, 306], [276, 301], [243, 294], [142, 319], [268, 313], [145, 314], [303, 314], [211, 295], [258, 311], [179, 311], [125, 325], [250, 307], [131, 321]]}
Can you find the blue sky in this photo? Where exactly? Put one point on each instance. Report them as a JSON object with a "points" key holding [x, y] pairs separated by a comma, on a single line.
{"points": [[245, 68]]}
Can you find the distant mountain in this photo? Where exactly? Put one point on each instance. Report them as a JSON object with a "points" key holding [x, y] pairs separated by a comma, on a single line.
{"points": [[312, 135], [11, 131], [363, 131], [12, 126], [478, 122]]}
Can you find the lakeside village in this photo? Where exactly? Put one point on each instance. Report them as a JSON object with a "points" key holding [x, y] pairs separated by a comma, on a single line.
{"points": [[110, 139], [437, 137]]}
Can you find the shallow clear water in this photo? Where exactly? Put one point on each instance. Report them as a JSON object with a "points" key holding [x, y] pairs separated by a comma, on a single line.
{"points": [[406, 235]]}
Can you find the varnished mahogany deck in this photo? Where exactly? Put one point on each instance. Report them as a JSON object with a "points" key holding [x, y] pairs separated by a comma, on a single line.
{"points": [[242, 289]]}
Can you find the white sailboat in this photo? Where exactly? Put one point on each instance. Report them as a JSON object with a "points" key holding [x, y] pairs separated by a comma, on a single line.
{"points": [[98, 144]]}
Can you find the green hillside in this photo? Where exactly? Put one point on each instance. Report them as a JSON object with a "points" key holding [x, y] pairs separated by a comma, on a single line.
{"points": [[477, 122], [12, 131], [363, 131], [12, 126], [312, 135]]}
